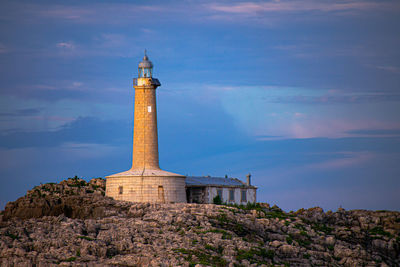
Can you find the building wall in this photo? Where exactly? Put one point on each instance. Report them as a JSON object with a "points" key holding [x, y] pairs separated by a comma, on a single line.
{"points": [[155, 189], [251, 196]]}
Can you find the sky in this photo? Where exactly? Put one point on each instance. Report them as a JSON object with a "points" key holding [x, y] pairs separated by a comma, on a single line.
{"points": [[302, 94]]}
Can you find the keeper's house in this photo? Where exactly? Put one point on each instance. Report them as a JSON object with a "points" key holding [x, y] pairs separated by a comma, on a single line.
{"points": [[203, 189]]}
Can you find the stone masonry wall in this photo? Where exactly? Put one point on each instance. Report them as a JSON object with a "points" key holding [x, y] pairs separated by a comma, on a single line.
{"points": [[147, 189], [145, 137]]}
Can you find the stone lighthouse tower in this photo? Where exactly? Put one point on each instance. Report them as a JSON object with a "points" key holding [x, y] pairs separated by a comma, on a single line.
{"points": [[145, 181]]}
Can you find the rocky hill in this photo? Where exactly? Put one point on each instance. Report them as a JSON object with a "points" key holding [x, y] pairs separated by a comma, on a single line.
{"points": [[73, 224]]}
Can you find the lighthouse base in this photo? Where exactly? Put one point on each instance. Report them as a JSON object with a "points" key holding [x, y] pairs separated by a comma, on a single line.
{"points": [[154, 186]]}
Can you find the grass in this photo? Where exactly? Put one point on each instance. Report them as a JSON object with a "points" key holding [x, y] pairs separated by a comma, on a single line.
{"points": [[70, 259], [379, 231], [202, 257], [85, 237], [254, 253], [218, 249], [225, 234], [322, 228], [300, 226]]}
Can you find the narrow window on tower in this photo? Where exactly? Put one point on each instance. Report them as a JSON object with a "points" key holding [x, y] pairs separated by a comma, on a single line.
{"points": [[120, 190], [148, 108]]}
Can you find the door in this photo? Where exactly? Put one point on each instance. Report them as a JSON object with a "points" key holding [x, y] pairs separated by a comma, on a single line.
{"points": [[161, 194]]}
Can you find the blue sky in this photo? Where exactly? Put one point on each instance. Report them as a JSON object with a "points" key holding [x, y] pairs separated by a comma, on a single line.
{"points": [[305, 94]]}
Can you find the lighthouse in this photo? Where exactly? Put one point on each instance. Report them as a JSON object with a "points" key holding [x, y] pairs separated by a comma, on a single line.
{"points": [[145, 181]]}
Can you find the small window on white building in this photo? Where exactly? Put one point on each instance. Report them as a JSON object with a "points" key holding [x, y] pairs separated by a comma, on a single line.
{"points": [[243, 197], [120, 190], [219, 193], [232, 195]]}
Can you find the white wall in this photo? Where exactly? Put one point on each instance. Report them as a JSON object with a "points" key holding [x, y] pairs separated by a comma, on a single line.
{"points": [[212, 192]]}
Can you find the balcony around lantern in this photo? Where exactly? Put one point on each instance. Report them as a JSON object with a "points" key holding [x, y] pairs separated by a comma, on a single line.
{"points": [[146, 81]]}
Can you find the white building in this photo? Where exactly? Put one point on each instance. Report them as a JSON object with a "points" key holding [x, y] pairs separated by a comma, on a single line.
{"points": [[203, 189]]}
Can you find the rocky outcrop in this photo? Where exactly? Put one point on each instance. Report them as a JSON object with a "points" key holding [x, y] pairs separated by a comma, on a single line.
{"points": [[75, 198], [74, 224]]}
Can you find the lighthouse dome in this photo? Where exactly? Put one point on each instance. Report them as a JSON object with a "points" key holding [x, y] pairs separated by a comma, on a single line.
{"points": [[146, 63]]}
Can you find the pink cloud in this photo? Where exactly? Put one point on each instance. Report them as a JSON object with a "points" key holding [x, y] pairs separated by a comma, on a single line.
{"points": [[298, 6], [66, 45]]}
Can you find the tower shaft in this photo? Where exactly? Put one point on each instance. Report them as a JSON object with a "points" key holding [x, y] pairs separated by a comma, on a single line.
{"points": [[145, 137]]}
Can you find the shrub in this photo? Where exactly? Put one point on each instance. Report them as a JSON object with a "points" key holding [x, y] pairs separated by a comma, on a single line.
{"points": [[217, 200]]}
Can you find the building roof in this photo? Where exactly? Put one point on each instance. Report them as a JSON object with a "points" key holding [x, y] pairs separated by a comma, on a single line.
{"points": [[214, 181]]}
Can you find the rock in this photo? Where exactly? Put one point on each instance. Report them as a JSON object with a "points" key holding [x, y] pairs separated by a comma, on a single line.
{"points": [[73, 224]]}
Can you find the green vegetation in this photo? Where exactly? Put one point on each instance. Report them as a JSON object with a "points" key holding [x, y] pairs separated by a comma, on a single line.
{"points": [[202, 257], [289, 239], [85, 237], [379, 231], [306, 256], [70, 259], [322, 228], [218, 249], [304, 242], [38, 193], [225, 234], [254, 253], [12, 236], [300, 226], [217, 200], [304, 233], [95, 187]]}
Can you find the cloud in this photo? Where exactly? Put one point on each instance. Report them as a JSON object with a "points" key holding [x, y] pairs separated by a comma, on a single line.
{"points": [[87, 130], [375, 132], [254, 8], [96, 12], [3, 49], [21, 112], [349, 159], [292, 112], [389, 69], [66, 45], [344, 98]]}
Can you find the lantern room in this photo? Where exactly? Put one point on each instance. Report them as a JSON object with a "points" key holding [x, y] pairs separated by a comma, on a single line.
{"points": [[145, 67]]}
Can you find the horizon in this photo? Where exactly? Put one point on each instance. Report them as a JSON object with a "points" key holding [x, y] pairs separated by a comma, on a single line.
{"points": [[303, 95]]}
